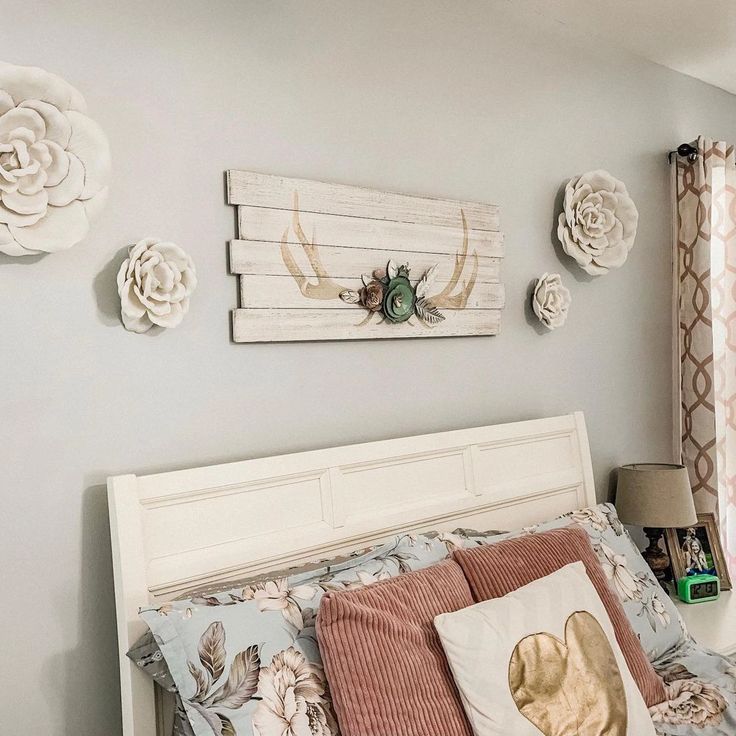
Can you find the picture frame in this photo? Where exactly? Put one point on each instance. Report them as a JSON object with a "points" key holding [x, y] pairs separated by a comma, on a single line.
{"points": [[697, 549]]}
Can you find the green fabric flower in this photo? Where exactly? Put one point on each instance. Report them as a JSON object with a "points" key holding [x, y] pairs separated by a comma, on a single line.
{"points": [[399, 297]]}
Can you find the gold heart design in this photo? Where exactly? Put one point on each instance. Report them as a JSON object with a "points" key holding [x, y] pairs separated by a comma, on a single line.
{"points": [[571, 687]]}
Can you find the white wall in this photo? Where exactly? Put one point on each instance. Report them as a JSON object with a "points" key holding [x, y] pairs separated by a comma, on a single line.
{"points": [[462, 100]]}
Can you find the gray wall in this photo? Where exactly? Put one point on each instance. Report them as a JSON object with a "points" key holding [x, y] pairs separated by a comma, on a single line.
{"points": [[465, 100]]}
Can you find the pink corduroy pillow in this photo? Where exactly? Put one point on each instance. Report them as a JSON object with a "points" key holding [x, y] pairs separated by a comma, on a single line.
{"points": [[493, 570], [383, 658]]}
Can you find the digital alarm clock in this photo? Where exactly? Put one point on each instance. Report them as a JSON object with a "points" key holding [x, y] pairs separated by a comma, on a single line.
{"points": [[698, 588]]}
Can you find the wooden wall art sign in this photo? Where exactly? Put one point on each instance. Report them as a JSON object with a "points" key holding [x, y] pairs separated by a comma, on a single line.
{"points": [[321, 261]]}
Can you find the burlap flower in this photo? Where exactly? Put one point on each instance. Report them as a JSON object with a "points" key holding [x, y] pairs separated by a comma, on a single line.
{"points": [[371, 296]]}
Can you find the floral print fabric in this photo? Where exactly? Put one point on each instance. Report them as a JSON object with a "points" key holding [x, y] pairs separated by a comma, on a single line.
{"points": [[701, 693], [246, 662]]}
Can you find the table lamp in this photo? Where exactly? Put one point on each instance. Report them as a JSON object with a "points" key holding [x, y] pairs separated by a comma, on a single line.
{"points": [[655, 496]]}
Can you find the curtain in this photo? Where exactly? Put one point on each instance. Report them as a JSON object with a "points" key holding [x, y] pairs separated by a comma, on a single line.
{"points": [[706, 304]]}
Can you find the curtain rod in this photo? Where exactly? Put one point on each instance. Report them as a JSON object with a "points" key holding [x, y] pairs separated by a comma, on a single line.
{"points": [[684, 149]]}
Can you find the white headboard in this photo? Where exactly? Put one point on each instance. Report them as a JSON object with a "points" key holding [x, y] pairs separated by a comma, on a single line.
{"points": [[172, 532]]}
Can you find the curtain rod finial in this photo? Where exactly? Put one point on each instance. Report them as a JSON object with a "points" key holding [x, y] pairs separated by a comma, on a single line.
{"points": [[686, 150]]}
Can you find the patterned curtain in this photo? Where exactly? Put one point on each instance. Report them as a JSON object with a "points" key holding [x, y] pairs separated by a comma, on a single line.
{"points": [[706, 247]]}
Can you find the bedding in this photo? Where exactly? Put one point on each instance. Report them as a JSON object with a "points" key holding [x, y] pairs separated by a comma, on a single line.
{"points": [[651, 613], [494, 570], [538, 661], [701, 693], [263, 633], [701, 686], [383, 658]]}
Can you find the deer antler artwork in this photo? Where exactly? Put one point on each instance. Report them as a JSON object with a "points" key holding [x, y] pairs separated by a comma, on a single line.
{"points": [[444, 300], [326, 261], [325, 288], [388, 290]]}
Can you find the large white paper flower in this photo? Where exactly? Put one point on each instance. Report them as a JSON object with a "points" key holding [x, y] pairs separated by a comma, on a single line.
{"points": [[155, 282], [598, 225], [54, 163]]}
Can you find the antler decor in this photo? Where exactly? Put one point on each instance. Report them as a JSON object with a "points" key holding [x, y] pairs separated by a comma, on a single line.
{"points": [[388, 290], [325, 288], [432, 265], [443, 299]]}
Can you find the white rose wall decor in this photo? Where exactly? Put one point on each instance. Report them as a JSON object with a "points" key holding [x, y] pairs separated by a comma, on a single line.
{"points": [[598, 224], [154, 283], [551, 300], [443, 256], [54, 163]]}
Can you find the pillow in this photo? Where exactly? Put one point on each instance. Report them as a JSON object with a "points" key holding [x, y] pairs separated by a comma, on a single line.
{"points": [[231, 655], [383, 658], [543, 659], [147, 655], [650, 611], [146, 652], [497, 569]]}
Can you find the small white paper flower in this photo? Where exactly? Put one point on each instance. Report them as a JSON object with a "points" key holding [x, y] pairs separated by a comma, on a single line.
{"points": [[598, 225], [551, 300], [155, 283], [54, 163]]}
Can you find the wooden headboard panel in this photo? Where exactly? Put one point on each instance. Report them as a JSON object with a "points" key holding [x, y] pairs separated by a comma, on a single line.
{"points": [[175, 531]]}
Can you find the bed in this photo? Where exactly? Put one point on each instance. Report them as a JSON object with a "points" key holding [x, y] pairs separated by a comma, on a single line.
{"points": [[183, 530]]}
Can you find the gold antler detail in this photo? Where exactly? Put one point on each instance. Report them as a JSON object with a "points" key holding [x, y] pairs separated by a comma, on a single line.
{"points": [[443, 300], [325, 288]]}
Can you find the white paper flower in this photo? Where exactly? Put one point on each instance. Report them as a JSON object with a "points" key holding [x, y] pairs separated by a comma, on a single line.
{"points": [[155, 283], [598, 225], [551, 300], [54, 163]]}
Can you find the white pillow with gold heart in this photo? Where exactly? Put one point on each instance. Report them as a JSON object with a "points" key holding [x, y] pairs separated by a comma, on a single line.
{"points": [[543, 660]]}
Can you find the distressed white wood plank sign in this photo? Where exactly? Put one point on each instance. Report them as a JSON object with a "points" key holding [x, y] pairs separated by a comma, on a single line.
{"points": [[256, 292], [260, 224], [282, 325], [308, 255]]}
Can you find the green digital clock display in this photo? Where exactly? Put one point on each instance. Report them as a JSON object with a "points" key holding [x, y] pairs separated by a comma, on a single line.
{"points": [[698, 588]]}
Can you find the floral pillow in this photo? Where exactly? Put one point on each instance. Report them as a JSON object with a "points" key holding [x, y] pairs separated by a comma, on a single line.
{"points": [[649, 609], [246, 660]]}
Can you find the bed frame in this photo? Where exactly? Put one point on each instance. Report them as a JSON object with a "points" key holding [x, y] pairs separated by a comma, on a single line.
{"points": [[172, 532]]}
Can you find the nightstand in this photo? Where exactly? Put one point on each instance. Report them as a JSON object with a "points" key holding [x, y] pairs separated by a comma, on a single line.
{"points": [[713, 623]]}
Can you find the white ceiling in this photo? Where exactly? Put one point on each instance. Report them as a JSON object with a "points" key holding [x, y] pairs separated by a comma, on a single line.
{"points": [[695, 37]]}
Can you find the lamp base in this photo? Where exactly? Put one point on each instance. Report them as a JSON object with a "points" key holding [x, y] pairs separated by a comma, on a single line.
{"points": [[657, 559]]}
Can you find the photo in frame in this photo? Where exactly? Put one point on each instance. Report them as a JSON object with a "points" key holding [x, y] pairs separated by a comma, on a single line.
{"points": [[696, 550]]}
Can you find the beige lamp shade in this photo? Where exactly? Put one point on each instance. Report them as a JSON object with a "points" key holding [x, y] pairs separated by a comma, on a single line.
{"points": [[655, 495]]}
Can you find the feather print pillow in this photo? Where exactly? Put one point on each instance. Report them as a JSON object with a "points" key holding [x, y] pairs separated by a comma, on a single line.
{"points": [[246, 661]]}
